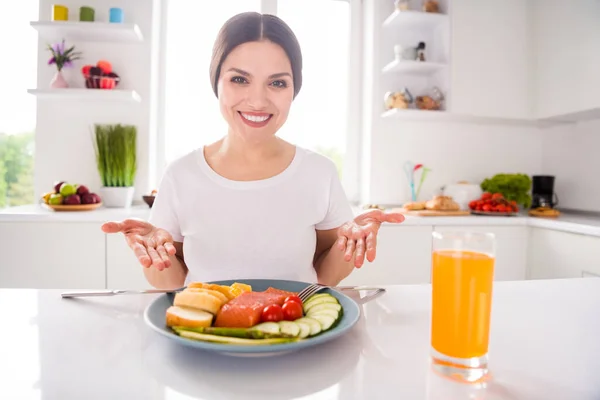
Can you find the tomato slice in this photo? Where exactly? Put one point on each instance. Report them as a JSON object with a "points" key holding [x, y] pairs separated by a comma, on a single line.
{"points": [[292, 311], [272, 313]]}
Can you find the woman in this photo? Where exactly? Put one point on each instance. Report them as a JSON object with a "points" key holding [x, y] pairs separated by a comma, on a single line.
{"points": [[252, 205]]}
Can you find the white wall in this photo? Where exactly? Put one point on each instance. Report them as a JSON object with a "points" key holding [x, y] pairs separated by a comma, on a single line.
{"points": [[64, 149]]}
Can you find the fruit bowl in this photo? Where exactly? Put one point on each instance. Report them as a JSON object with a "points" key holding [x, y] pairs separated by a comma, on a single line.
{"points": [[494, 213], [101, 82], [73, 207]]}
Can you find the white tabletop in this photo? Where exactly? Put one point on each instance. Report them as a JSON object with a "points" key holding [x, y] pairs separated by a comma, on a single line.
{"points": [[545, 344]]}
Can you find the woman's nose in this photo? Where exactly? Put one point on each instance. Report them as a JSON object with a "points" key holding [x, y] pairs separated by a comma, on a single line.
{"points": [[257, 97]]}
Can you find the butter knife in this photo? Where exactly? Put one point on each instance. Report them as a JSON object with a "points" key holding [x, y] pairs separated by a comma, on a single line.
{"points": [[108, 292]]}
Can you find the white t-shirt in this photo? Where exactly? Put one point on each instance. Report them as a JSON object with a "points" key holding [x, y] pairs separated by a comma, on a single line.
{"points": [[250, 229]]}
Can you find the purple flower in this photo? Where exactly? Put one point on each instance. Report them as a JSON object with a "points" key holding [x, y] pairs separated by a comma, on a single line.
{"points": [[51, 61], [68, 64]]}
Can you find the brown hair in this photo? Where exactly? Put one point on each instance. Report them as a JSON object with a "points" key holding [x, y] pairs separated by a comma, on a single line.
{"points": [[252, 27]]}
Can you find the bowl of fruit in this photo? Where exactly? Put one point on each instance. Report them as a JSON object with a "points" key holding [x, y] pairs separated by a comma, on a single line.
{"points": [[71, 197], [494, 204], [100, 76]]}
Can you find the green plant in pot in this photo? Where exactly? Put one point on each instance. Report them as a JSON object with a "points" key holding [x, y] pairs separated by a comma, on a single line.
{"points": [[116, 159]]}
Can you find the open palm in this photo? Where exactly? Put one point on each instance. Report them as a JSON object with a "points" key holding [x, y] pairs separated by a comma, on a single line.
{"points": [[151, 245], [359, 237]]}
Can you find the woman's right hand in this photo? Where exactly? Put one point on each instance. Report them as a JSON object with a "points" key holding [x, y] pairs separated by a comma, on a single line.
{"points": [[151, 245]]}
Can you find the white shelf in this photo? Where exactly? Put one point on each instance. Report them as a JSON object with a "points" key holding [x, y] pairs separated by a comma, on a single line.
{"points": [[415, 19], [413, 67], [88, 31], [82, 94], [573, 117], [413, 115]]}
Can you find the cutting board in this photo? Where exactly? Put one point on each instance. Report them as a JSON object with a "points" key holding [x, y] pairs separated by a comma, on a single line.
{"points": [[432, 213]]}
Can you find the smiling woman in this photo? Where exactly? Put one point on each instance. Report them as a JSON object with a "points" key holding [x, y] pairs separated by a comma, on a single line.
{"points": [[250, 204]]}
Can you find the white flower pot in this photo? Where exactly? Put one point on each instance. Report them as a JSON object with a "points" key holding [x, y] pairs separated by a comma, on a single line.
{"points": [[121, 197]]}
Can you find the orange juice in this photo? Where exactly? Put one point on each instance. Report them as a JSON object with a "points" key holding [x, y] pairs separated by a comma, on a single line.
{"points": [[461, 302]]}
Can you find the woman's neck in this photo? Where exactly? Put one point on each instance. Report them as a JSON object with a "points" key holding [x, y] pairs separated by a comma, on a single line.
{"points": [[232, 146]]}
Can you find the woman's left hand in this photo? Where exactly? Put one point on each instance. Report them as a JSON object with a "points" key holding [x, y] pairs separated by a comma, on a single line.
{"points": [[359, 237]]}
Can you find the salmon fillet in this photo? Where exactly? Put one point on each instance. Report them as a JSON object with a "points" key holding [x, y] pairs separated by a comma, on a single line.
{"points": [[244, 311], [279, 291]]}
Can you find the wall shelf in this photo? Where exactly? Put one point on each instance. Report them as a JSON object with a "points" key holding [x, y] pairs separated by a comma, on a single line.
{"points": [[88, 31], [415, 19], [413, 115], [413, 67], [77, 94]]}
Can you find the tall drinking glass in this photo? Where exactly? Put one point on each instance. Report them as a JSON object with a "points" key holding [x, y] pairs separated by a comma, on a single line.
{"points": [[462, 278]]}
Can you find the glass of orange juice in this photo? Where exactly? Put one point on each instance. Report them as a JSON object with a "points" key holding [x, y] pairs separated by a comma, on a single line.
{"points": [[462, 276]]}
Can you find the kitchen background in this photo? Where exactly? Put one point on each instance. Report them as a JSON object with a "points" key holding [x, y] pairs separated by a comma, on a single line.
{"points": [[517, 78]]}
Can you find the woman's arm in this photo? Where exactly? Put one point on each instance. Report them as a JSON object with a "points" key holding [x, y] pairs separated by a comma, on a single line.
{"points": [[172, 277], [329, 261]]}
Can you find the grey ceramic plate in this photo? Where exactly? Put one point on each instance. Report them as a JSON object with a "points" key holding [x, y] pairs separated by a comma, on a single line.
{"points": [[155, 313]]}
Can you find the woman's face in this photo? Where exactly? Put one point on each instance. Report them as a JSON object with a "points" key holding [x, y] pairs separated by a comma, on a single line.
{"points": [[256, 89]]}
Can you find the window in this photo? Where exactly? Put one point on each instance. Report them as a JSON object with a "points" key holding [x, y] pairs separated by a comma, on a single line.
{"points": [[320, 118], [17, 107]]}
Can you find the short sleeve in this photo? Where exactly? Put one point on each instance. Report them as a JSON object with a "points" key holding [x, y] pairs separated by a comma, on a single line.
{"points": [[338, 211], [163, 213]]}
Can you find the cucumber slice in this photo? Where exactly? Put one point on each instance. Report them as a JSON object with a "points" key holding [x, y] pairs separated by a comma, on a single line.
{"points": [[271, 328], [316, 296], [325, 306], [315, 326], [329, 311], [326, 321], [289, 328], [321, 300], [304, 328]]}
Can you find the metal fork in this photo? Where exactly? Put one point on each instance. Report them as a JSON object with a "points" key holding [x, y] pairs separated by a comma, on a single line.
{"points": [[316, 287]]}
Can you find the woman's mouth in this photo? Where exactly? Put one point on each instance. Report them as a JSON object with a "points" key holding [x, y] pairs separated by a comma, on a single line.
{"points": [[255, 120]]}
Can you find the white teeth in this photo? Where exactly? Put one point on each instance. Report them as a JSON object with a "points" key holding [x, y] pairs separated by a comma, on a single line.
{"points": [[255, 118]]}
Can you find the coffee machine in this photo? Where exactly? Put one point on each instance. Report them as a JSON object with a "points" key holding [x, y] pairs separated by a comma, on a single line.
{"points": [[542, 192]]}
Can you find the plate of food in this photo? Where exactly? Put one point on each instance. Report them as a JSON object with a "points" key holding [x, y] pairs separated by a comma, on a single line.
{"points": [[255, 317]]}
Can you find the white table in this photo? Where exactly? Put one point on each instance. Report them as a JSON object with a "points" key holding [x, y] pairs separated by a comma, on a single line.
{"points": [[545, 344]]}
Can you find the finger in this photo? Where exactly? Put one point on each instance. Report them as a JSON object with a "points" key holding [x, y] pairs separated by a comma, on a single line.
{"points": [[341, 243], [359, 259], [142, 255], [170, 248], [154, 256], [162, 252], [391, 217], [112, 227], [349, 250], [371, 246]]}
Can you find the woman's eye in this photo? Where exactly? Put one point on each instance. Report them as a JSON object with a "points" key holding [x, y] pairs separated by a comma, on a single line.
{"points": [[280, 84], [238, 79]]}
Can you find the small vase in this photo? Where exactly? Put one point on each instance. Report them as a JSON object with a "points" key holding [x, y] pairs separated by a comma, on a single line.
{"points": [[117, 197], [59, 81]]}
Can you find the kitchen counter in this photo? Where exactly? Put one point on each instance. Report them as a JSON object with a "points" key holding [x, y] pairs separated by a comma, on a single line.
{"points": [[544, 346], [586, 224]]}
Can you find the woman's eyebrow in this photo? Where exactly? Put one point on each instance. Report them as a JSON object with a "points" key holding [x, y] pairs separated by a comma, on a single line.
{"points": [[244, 73]]}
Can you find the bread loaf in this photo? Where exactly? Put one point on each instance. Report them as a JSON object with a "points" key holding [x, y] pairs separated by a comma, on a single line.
{"points": [[442, 203], [198, 300], [181, 316]]}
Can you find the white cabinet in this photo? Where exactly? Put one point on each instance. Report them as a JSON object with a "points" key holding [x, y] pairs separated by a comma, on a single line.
{"points": [[555, 254], [566, 36], [511, 249], [490, 58], [403, 257], [53, 255], [123, 270]]}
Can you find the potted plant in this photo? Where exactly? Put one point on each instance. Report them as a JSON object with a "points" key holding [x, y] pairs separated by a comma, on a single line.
{"points": [[116, 151], [62, 58]]}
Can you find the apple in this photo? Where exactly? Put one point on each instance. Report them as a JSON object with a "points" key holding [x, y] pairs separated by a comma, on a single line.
{"points": [[88, 198], [67, 189], [82, 189], [55, 199], [57, 186], [72, 199]]}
